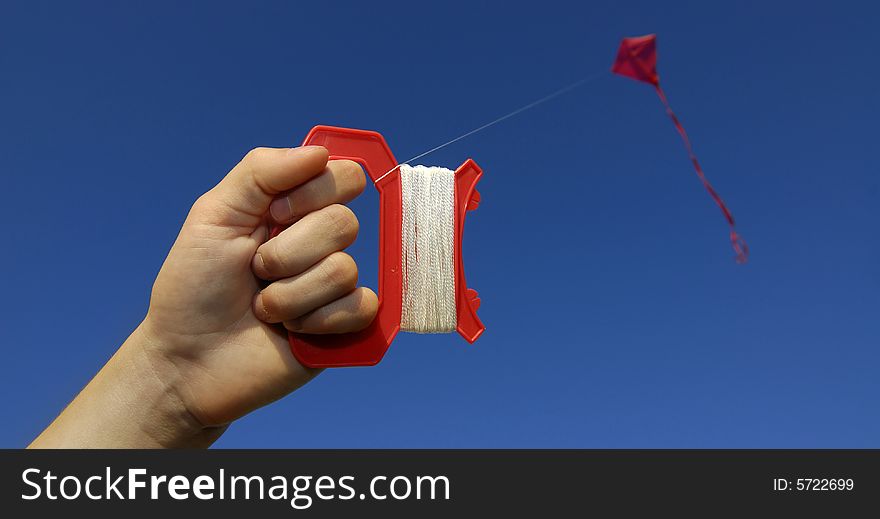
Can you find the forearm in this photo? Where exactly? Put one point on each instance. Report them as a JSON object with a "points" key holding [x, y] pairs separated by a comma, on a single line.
{"points": [[130, 403]]}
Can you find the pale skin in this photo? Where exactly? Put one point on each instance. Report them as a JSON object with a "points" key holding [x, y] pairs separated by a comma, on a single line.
{"points": [[213, 346]]}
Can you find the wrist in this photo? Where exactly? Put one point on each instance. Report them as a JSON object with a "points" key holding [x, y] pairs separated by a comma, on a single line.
{"points": [[133, 402], [166, 418]]}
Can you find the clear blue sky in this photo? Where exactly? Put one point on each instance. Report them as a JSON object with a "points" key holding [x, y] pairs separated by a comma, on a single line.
{"points": [[616, 315]]}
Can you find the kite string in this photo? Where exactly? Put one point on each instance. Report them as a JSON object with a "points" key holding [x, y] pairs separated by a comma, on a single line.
{"points": [[548, 97]]}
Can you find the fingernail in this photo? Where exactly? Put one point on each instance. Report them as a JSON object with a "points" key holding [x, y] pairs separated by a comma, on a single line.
{"points": [[280, 209], [260, 260], [293, 325], [262, 312]]}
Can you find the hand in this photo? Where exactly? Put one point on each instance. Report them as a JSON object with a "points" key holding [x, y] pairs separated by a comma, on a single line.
{"points": [[208, 317], [210, 343]]}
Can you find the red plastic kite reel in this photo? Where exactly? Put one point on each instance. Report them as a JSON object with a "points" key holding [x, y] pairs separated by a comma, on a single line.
{"points": [[367, 347]]}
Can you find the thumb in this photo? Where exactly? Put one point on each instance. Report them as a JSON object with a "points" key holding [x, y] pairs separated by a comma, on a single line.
{"points": [[242, 198]]}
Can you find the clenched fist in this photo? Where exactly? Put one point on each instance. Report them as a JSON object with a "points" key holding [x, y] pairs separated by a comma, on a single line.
{"points": [[211, 347]]}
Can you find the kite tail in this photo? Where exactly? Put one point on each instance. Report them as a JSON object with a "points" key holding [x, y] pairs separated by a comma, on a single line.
{"points": [[739, 244]]}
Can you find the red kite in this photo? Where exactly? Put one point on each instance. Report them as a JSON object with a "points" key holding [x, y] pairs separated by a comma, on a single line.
{"points": [[637, 59]]}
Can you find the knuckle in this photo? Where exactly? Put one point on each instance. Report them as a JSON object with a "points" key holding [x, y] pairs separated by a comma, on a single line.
{"points": [[339, 269], [364, 311], [342, 222], [251, 161], [202, 205], [255, 155], [205, 209], [370, 300], [352, 172], [368, 304]]}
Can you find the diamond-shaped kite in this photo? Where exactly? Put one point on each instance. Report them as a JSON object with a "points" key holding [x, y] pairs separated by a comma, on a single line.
{"points": [[637, 59]]}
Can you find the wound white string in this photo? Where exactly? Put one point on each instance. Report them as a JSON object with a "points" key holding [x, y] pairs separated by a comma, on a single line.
{"points": [[427, 236]]}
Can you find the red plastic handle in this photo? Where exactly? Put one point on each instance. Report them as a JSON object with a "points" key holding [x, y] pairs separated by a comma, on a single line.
{"points": [[367, 347]]}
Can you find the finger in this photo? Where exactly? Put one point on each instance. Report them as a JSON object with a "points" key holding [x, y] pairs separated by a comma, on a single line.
{"points": [[304, 243], [247, 191], [328, 280], [340, 182], [351, 313]]}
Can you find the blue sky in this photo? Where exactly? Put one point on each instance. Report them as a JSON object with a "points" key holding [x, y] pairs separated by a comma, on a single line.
{"points": [[616, 315]]}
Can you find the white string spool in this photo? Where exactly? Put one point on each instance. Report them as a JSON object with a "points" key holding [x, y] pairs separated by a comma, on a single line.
{"points": [[427, 260]]}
